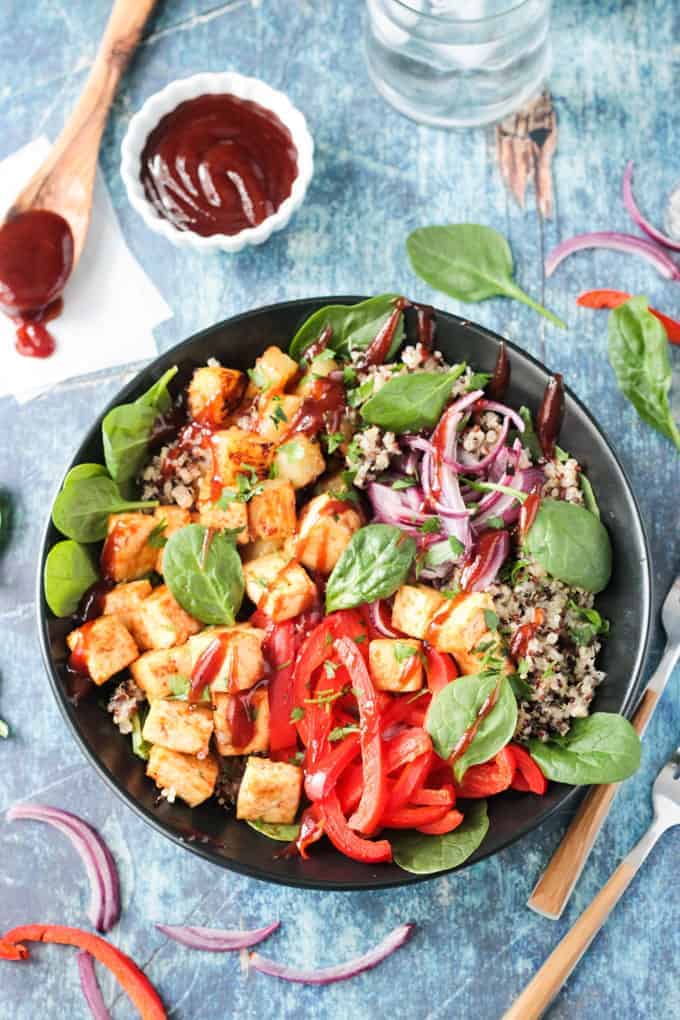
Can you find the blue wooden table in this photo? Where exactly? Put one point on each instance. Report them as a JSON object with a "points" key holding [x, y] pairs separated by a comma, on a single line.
{"points": [[377, 176]]}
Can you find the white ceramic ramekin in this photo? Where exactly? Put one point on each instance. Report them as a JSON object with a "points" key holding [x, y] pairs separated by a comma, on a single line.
{"points": [[168, 99]]}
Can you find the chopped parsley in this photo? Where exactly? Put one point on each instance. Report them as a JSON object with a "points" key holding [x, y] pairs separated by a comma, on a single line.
{"points": [[403, 651], [340, 732], [431, 526], [279, 415], [258, 378], [593, 624], [404, 483], [297, 714], [248, 485], [333, 441], [157, 539], [497, 523], [293, 450], [330, 668], [491, 619]]}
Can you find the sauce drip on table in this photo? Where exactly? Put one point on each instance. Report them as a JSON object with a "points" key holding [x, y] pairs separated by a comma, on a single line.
{"points": [[218, 164], [36, 258]]}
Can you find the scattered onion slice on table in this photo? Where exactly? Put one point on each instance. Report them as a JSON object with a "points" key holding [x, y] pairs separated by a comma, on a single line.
{"points": [[90, 986], [104, 907], [614, 241], [636, 215], [216, 940], [341, 971]]}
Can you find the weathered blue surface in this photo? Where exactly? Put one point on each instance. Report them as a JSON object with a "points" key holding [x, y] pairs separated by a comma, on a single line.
{"points": [[377, 176]]}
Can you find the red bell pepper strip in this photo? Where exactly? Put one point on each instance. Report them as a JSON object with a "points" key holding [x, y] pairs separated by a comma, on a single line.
{"points": [[320, 780], [280, 648], [349, 788], [131, 978], [445, 796], [346, 841], [440, 669], [489, 778], [405, 747], [409, 782], [614, 298], [528, 777], [447, 823], [367, 816], [414, 817]]}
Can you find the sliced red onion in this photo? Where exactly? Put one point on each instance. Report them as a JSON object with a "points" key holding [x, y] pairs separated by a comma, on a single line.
{"points": [[636, 215], [340, 972], [104, 907], [374, 609], [628, 243], [217, 940], [90, 986], [506, 506], [495, 563], [477, 466], [507, 412]]}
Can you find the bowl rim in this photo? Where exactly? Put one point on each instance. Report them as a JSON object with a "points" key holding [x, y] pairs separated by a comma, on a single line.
{"points": [[205, 851]]}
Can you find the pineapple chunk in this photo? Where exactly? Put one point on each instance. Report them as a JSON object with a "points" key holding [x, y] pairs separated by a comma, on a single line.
{"points": [[193, 779], [270, 791], [396, 665], [125, 599], [260, 738], [102, 648], [271, 513], [160, 621], [276, 415], [414, 607], [179, 726], [326, 526], [281, 588], [152, 671], [173, 519], [230, 516], [300, 461], [274, 370], [127, 555], [214, 392], [243, 664]]}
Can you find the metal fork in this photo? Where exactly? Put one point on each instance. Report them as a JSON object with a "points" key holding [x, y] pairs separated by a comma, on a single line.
{"points": [[542, 989]]}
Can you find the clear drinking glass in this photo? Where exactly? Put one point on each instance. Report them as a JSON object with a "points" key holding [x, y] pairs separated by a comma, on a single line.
{"points": [[455, 64]]}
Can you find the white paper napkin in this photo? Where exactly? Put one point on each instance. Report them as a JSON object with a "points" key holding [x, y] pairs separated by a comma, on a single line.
{"points": [[110, 304]]}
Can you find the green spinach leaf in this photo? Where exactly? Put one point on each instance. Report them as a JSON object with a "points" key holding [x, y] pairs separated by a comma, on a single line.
{"points": [[354, 327], [638, 352], [426, 855], [4, 729], [589, 500], [278, 831], [203, 572], [69, 572], [140, 746], [81, 471], [82, 508], [571, 544], [603, 748], [126, 429], [470, 262], [374, 564], [408, 403], [528, 438]]}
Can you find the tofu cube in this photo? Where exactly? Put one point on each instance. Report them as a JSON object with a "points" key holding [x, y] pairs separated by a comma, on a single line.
{"points": [[234, 451], [260, 739], [124, 600], [321, 367], [171, 519], [127, 555], [281, 588], [152, 670], [102, 648], [214, 392], [265, 546], [396, 664], [326, 526], [193, 779], [276, 414], [274, 370], [243, 664], [460, 627], [179, 726], [414, 607], [160, 621], [270, 791], [300, 461], [271, 514], [228, 516]]}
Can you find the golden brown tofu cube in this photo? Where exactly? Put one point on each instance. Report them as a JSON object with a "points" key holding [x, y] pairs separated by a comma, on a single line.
{"points": [[260, 738], [127, 554], [225, 517], [160, 621], [461, 626], [282, 589], [243, 663], [300, 461], [214, 392], [396, 664], [321, 367], [193, 779], [102, 648], [414, 608], [270, 791], [179, 726], [169, 519], [235, 452], [125, 599], [326, 526], [276, 415], [263, 547], [153, 670], [274, 370], [271, 513]]}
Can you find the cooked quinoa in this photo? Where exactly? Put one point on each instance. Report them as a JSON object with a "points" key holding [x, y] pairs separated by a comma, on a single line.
{"points": [[180, 487]]}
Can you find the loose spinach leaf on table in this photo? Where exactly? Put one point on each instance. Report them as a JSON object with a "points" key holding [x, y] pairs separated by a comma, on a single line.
{"points": [[126, 429], [603, 748], [638, 352], [589, 500], [354, 327], [4, 729], [82, 508], [571, 544], [203, 572], [470, 262], [425, 855], [409, 403], [69, 572], [375, 562], [280, 832]]}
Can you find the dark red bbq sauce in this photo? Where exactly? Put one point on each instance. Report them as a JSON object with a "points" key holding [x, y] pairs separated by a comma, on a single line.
{"points": [[208, 666], [324, 406], [240, 718], [36, 258], [218, 164]]}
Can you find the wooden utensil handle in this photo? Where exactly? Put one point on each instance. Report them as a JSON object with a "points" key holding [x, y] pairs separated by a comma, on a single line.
{"points": [[555, 885]]}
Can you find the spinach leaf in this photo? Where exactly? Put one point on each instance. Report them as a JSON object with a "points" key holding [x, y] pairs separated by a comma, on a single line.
{"points": [[425, 855], [375, 562], [4, 729], [455, 709], [638, 352], [528, 438], [603, 748], [282, 833], [571, 544], [69, 572], [81, 510], [589, 500], [203, 572], [140, 746], [354, 327], [126, 429], [408, 403], [470, 262], [84, 471]]}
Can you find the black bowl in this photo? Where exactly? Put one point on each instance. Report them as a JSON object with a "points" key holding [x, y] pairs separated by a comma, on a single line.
{"points": [[210, 832]]}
